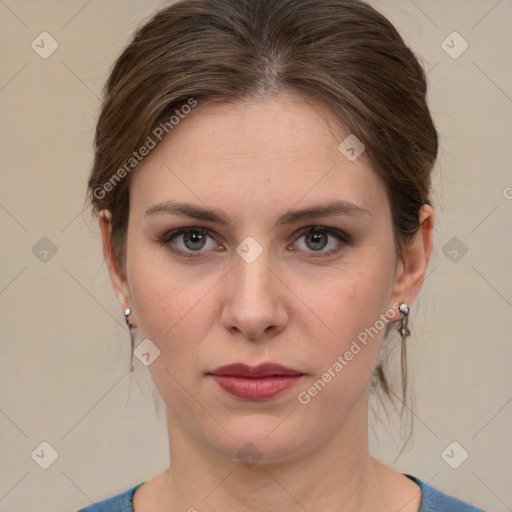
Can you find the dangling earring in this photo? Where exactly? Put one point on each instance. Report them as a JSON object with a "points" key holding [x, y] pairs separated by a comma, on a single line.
{"points": [[402, 327], [131, 328]]}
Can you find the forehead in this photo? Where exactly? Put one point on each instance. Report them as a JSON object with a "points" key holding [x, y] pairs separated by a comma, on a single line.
{"points": [[274, 153]]}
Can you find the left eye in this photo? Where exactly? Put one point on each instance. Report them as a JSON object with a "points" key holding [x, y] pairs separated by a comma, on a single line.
{"points": [[318, 238]]}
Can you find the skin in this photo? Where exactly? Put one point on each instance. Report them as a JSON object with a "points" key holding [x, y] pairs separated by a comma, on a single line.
{"points": [[255, 161]]}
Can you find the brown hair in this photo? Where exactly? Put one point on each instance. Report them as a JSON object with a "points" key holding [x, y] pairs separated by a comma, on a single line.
{"points": [[341, 53]]}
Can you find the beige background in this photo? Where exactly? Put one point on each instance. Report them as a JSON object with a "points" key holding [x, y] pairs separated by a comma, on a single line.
{"points": [[63, 375]]}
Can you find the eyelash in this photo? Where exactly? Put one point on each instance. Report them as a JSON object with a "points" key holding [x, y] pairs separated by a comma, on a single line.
{"points": [[165, 240]]}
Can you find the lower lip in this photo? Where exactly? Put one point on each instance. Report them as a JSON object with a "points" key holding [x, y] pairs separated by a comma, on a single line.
{"points": [[256, 389]]}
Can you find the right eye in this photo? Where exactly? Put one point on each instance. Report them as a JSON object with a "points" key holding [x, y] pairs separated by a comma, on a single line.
{"points": [[187, 241]]}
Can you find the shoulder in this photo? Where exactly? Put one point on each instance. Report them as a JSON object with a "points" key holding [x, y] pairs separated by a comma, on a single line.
{"points": [[119, 503], [434, 500]]}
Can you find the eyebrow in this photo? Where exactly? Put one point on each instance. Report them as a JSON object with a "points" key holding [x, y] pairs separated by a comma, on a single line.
{"points": [[291, 216]]}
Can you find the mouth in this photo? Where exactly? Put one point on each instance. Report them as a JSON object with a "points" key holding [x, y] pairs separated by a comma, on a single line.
{"points": [[256, 382]]}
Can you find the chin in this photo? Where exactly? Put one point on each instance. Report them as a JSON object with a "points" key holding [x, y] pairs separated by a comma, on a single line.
{"points": [[262, 440]]}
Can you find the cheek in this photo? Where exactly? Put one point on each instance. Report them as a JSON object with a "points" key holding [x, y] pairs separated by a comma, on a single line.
{"points": [[170, 306], [344, 360], [175, 311], [354, 312], [172, 313], [349, 299]]}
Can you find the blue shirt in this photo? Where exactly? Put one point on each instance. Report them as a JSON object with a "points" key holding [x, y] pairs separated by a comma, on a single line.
{"points": [[432, 501]]}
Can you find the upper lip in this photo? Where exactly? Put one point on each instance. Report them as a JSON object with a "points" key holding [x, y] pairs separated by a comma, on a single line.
{"points": [[260, 371]]}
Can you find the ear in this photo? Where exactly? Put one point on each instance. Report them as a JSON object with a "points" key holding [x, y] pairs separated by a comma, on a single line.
{"points": [[117, 276], [411, 272]]}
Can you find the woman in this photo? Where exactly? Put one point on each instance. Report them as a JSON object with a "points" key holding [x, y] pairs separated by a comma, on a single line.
{"points": [[262, 181]]}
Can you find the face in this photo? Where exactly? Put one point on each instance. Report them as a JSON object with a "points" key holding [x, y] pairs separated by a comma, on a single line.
{"points": [[245, 276]]}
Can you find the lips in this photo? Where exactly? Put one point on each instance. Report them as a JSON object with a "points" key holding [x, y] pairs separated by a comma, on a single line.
{"points": [[255, 372], [255, 382]]}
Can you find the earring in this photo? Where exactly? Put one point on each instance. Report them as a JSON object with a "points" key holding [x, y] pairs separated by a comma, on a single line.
{"points": [[402, 327], [131, 328]]}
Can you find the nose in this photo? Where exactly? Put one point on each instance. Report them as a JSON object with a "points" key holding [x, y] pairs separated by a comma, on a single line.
{"points": [[254, 305]]}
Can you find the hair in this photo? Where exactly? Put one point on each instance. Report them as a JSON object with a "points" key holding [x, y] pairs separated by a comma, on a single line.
{"points": [[343, 54]]}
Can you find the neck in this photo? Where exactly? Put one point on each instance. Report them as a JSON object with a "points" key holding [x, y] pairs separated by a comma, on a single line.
{"points": [[339, 474]]}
